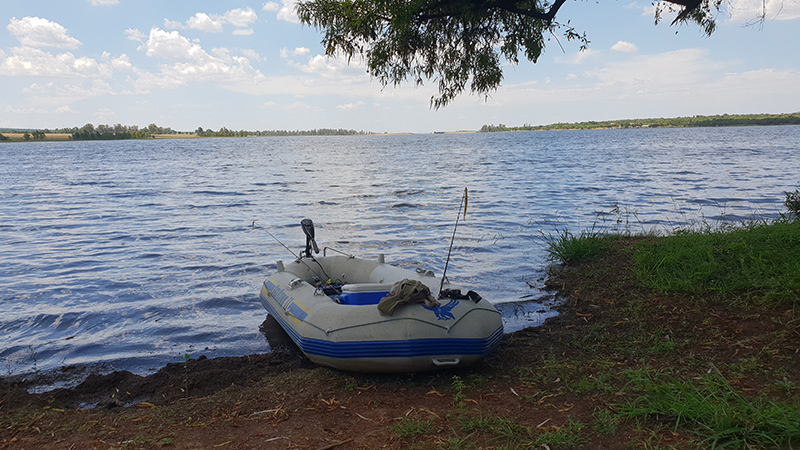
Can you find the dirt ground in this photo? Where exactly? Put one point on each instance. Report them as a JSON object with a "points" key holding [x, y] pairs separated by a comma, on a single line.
{"points": [[559, 385]]}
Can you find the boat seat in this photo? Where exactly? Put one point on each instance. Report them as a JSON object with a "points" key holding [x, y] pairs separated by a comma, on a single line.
{"points": [[364, 293]]}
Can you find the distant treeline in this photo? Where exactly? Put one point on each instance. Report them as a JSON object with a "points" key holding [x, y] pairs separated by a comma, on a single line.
{"points": [[724, 120], [114, 132], [36, 135], [119, 131], [224, 132]]}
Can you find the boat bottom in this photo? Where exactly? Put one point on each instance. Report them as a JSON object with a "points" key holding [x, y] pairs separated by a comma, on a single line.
{"points": [[395, 365]]}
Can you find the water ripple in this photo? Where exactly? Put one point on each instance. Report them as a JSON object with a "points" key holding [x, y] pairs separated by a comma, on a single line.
{"points": [[129, 255]]}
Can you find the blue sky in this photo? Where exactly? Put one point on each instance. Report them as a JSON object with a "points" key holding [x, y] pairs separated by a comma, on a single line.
{"points": [[250, 65]]}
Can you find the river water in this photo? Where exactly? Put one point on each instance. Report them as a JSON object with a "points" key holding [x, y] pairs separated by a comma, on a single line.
{"points": [[132, 254]]}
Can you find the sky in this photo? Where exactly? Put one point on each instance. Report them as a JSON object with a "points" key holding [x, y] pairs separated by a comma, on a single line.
{"points": [[250, 65]]}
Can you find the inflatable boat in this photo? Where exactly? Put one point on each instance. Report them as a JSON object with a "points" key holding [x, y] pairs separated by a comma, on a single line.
{"points": [[329, 306]]}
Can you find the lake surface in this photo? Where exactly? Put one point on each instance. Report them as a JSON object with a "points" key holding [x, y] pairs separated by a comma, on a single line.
{"points": [[129, 255]]}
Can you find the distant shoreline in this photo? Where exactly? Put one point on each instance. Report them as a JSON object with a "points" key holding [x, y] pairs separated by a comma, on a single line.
{"points": [[724, 120]]}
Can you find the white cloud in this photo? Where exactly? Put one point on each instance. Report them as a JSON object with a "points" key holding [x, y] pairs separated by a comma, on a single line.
{"points": [[123, 63], [38, 32], [682, 82], [134, 35], [350, 106], [104, 115], [295, 106], [24, 111], [740, 11], [760, 90], [578, 58], [173, 25], [287, 11], [676, 68], [97, 88], [749, 10], [271, 6], [58, 94], [204, 22], [650, 10], [193, 64], [103, 2], [252, 55], [240, 18], [29, 61], [320, 65], [65, 109], [298, 51], [172, 46], [624, 47]]}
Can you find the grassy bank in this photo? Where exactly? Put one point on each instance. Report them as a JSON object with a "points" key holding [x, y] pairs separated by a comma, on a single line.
{"points": [[689, 341], [20, 137]]}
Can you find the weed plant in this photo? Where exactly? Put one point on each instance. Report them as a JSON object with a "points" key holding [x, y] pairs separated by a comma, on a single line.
{"points": [[570, 248], [792, 203], [724, 418], [409, 428], [568, 436]]}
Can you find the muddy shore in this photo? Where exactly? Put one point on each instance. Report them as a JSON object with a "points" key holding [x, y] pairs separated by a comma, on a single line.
{"points": [[564, 384]]}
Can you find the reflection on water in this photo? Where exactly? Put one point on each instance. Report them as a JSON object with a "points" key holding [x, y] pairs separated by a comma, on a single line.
{"points": [[276, 337]]}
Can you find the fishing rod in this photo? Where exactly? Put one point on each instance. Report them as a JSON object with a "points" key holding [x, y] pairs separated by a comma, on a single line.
{"points": [[278, 240], [311, 243], [464, 201]]}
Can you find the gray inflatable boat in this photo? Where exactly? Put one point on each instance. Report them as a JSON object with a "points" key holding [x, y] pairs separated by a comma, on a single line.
{"points": [[328, 305]]}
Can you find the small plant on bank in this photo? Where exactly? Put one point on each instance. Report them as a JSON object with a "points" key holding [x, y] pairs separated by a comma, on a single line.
{"points": [[500, 426], [458, 395], [569, 248], [185, 384], [792, 203], [568, 436], [409, 428], [605, 421]]}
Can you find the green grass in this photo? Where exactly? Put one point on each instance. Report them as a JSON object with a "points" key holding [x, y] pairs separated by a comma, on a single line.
{"points": [[505, 433], [408, 428], [500, 426], [568, 436], [605, 421], [756, 258], [570, 248], [719, 415]]}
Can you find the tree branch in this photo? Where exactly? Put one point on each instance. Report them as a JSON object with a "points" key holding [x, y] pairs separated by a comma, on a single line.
{"points": [[450, 8], [511, 6]]}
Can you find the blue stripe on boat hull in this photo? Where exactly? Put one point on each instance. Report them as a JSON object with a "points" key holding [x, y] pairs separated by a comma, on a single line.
{"points": [[388, 349]]}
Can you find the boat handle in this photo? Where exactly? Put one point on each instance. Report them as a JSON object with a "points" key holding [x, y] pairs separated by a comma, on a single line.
{"points": [[445, 362]]}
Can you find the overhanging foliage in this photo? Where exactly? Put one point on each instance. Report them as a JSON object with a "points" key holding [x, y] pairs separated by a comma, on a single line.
{"points": [[455, 43]]}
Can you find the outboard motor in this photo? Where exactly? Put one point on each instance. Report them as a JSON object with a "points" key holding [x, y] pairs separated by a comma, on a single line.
{"points": [[308, 230]]}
